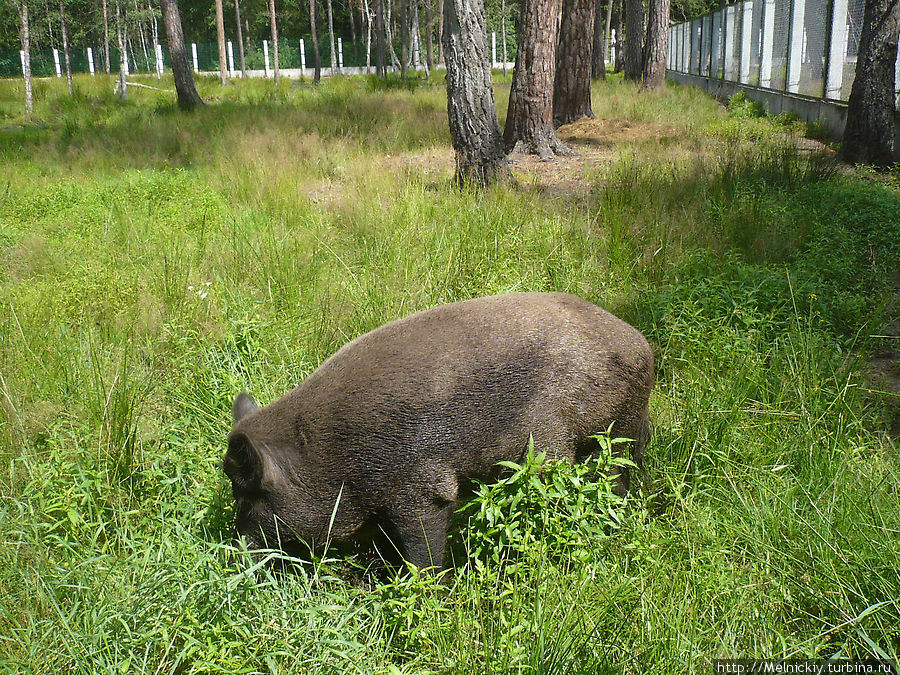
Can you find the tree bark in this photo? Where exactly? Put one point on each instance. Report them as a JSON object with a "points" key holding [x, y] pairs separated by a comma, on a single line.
{"points": [[335, 64], [657, 44], [240, 37], [106, 36], [181, 67], [220, 36], [123, 55], [65, 40], [503, 33], [607, 34], [869, 133], [380, 56], [620, 31], [429, 30], [317, 61], [634, 39], [25, 34], [572, 84], [598, 55], [440, 13], [474, 128], [274, 23], [529, 118], [404, 38]]}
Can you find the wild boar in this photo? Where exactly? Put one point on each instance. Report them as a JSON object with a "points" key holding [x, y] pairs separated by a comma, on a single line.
{"points": [[393, 429]]}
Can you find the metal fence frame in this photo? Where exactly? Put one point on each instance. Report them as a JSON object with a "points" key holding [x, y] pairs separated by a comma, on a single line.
{"points": [[803, 48]]}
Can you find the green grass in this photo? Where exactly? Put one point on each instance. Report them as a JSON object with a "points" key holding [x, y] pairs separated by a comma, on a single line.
{"points": [[154, 264]]}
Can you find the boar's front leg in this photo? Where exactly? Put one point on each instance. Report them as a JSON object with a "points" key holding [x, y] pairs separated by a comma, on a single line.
{"points": [[422, 535]]}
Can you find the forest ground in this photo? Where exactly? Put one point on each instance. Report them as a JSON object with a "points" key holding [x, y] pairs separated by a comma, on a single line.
{"points": [[153, 264]]}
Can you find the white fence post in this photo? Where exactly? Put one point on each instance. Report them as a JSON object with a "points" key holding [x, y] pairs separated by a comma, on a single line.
{"points": [[90, 54], [160, 64], [230, 59], [340, 54], [746, 29], [765, 63], [194, 54], [56, 62], [834, 78], [302, 57], [494, 49], [795, 56], [266, 56]]}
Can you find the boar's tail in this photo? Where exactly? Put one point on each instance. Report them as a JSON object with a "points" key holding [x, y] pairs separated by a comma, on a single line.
{"points": [[639, 447]]}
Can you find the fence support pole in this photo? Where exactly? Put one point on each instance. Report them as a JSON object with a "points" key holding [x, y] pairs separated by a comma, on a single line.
{"points": [[795, 54], [340, 47], [837, 51], [194, 54], [746, 29], [266, 56], [494, 50], [768, 38], [302, 57], [160, 65], [230, 59], [90, 55], [56, 62]]}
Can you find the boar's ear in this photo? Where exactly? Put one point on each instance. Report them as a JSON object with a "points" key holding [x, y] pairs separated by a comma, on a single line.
{"points": [[243, 463], [243, 406]]}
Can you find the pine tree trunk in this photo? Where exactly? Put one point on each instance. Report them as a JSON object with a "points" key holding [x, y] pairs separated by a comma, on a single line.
{"points": [[598, 56], [657, 45], [65, 39], [181, 67], [429, 35], [440, 13], [529, 118], [474, 128], [335, 64], [368, 22], [240, 37], [317, 61], [503, 33], [620, 31], [123, 55], [220, 36], [352, 22], [634, 39], [106, 37], [25, 30], [572, 84], [869, 133], [404, 35], [274, 23], [380, 56], [607, 34]]}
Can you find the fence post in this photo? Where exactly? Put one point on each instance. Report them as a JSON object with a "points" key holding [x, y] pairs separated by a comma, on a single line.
{"points": [[746, 30], [494, 49], [795, 55], [266, 56], [160, 65], [194, 54], [230, 59], [837, 51], [768, 38], [302, 57], [340, 54], [90, 54], [56, 62]]}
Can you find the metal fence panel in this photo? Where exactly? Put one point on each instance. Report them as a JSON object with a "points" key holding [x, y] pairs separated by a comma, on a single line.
{"points": [[715, 49], [780, 40], [697, 47], [733, 22]]}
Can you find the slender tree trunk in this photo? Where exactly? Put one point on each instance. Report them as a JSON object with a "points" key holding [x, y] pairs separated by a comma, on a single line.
{"points": [[106, 36], [274, 23], [657, 44], [380, 52], [598, 56], [140, 27], [634, 39], [529, 118], [869, 133], [607, 34], [123, 55], [368, 22], [181, 67], [335, 64], [503, 32], [440, 13], [620, 32], [352, 22], [572, 84], [317, 61], [429, 34], [480, 157], [417, 36], [220, 36], [240, 37], [395, 62], [65, 39], [25, 34], [404, 39], [157, 63]]}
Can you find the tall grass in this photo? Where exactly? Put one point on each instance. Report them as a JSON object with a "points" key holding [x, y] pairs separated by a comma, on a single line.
{"points": [[154, 264]]}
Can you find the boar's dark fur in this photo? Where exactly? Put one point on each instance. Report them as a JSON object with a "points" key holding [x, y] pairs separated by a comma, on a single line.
{"points": [[400, 421]]}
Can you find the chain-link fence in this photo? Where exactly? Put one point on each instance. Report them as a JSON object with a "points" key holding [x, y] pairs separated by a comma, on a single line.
{"points": [[805, 47]]}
